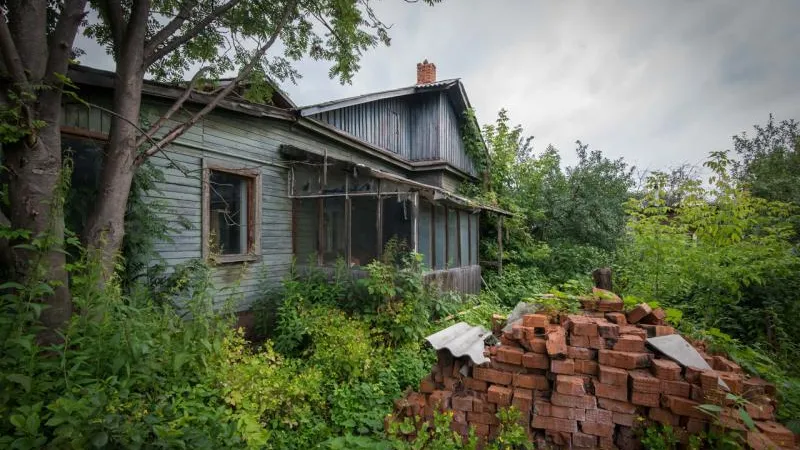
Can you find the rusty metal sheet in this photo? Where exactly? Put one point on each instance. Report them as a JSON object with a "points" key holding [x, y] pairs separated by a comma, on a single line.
{"points": [[462, 339], [675, 347]]}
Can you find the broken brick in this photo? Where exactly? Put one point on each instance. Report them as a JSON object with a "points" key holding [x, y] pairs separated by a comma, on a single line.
{"points": [[440, 400], [598, 416], [510, 355], [642, 381], [645, 399], [531, 381], [760, 411], [623, 419], [639, 313], [572, 385], [624, 360], [664, 417], [535, 361], [617, 318], [545, 408], [614, 392], [584, 328], [734, 381], [656, 317], [482, 418], [522, 399], [616, 406], [676, 388], [537, 345], [462, 403], [629, 343], [777, 433], [583, 440], [556, 343], [581, 353], [608, 330], [665, 369], [586, 367], [579, 341], [427, 385], [613, 376], [491, 375], [760, 441], [598, 429], [499, 395], [562, 366], [683, 406], [554, 424], [574, 401], [535, 320], [475, 385]]}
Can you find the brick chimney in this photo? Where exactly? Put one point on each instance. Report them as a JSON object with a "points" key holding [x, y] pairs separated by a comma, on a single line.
{"points": [[426, 72]]}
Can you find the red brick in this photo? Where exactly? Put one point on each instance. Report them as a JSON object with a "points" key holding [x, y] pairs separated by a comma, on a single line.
{"points": [[664, 417], [510, 355], [598, 429], [665, 369], [760, 411], [462, 403], [628, 439], [480, 429], [554, 424], [645, 399], [451, 384], [545, 408], [683, 406], [760, 441], [616, 406], [656, 317], [777, 433], [735, 381], [584, 328], [624, 360], [481, 405], [581, 353], [531, 381], [605, 443], [613, 375], [482, 418], [523, 400], [579, 341], [696, 393], [610, 305], [440, 400], [559, 438], [633, 330], [427, 385], [535, 361], [617, 318], [610, 391], [755, 387], [597, 342], [574, 401], [657, 330], [518, 331], [629, 343], [623, 419], [586, 367], [582, 440], [492, 375], [499, 395], [475, 385], [538, 345], [535, 320], [723, 364], [599, 416], [608, 330], [642, 381], [460, 417], [562, 366], [556, 342], [692, 374], [695, 426], [568, 384], [639, 313], [677, 388]]}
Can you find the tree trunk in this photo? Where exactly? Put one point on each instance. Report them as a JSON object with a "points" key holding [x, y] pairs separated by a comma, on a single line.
{"points": [[602, 278], [105, 227], [34, 193]]}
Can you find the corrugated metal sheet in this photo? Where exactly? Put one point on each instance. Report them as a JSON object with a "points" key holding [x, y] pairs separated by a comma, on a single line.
{"points": [[462, 339]]}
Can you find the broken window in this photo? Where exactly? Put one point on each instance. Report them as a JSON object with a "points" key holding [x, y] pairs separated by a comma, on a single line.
{"points": [[232, 203], [334, 236], [397, 223], [364, 234]]}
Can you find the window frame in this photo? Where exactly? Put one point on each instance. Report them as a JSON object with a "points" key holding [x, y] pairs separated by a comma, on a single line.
{"points": [[254, 206]]}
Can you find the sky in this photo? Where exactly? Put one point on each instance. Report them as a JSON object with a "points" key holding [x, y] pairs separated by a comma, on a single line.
{"points": [[660, 83]]}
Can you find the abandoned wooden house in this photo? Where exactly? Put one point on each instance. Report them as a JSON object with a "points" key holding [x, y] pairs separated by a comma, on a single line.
{"points": [[261, 185]]}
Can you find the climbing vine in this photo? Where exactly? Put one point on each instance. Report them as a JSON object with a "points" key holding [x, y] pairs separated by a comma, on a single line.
{"points": [[473, 143]]}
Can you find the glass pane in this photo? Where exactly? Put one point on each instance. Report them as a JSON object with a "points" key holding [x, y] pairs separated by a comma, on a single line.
{"points": [[463, 225], [335, 236], [424, 233], [474, 237], [364, 233], [452, 238], [440, 238], [228, 214], [397, 221]]}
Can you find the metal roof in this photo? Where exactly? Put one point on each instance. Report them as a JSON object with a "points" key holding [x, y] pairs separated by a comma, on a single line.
{"points": [[317, 108], [462, 339]]}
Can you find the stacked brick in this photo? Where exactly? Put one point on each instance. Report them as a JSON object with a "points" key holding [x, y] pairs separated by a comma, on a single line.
{"points": [[586, 380]]}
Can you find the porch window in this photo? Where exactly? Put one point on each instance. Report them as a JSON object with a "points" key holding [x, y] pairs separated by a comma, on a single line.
{"points": [[231, 226]]}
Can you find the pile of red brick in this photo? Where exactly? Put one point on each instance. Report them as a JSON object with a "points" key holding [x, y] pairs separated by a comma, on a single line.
{"points": [[588, 381]]}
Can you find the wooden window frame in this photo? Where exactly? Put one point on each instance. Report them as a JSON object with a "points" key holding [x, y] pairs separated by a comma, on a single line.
{"points": [[254, 205]]}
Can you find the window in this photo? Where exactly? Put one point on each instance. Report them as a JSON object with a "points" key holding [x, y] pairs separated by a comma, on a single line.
{"points": [[452, 238], [474, 233], [463, 225], [424, 232], [440, 237], [232, 212]]}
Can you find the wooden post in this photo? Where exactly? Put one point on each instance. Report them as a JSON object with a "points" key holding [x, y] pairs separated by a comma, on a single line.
{"points": [[379, 223], [320, 230], [348, 223], [602, 278], [414, 219], [500, 244]]}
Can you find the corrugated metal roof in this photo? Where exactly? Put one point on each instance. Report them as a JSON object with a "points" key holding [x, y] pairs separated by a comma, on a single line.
{"points": [[462, 339]]}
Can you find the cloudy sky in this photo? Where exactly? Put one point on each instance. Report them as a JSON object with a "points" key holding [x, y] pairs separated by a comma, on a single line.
{"points": [[659, 83]]}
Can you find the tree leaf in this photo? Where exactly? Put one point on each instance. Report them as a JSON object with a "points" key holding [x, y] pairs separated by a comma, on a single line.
{"points": [[100, 439], [23, 380], [746, 418]]}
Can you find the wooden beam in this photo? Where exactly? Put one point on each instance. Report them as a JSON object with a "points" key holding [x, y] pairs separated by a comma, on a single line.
{"points": [[379, 223], [500, 244], [414, 222], [320, 230]]}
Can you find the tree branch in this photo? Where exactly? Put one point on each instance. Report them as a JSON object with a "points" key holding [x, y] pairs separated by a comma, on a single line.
{"points": [[8, 48], [183, 15], [178, 131], [148, 136], [63, 37], [153, 53], [116, 21]]}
